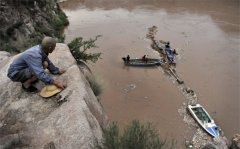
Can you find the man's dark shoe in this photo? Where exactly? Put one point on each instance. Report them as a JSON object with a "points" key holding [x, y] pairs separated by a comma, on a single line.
{"points": [[30, 89]]}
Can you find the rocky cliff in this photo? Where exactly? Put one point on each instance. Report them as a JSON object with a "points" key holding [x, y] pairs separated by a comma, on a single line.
{"points": [[25, 22], [72, 119]]}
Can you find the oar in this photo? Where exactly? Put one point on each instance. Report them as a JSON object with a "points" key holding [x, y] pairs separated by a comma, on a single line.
{"points": [[176, 77]]}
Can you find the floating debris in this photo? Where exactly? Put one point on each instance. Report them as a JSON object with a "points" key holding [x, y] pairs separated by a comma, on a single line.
{"points": [[200, 138], [130, 87]]}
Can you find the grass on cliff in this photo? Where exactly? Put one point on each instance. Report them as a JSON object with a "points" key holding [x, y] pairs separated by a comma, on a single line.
{"points": [[79, 49], [135, 136], [60, 21], [95, 85]]}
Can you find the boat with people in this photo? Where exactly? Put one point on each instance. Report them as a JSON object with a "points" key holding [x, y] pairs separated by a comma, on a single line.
{"points": [[169, 52], [204, 119], [141, 62], [170, 55]]}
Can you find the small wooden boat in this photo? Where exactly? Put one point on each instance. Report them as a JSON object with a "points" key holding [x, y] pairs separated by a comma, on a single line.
{"points": [[141, 62], [204, 119]]}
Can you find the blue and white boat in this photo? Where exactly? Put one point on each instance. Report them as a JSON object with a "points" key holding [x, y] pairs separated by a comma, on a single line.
{"points": [[170, 55], [204, 119]]}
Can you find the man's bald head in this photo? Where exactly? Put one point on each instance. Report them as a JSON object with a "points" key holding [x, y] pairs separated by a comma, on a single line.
{"points": [[48, 44]]}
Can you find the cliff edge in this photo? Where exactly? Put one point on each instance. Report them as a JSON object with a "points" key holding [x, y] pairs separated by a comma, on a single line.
{"points": [[72, 119]]}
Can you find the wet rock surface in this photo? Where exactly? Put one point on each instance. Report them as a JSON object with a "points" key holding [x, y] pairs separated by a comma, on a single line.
{"points": [[72, 119]]}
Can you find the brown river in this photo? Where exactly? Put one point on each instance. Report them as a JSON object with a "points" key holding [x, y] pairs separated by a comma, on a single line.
{"points": [[206, 34]]}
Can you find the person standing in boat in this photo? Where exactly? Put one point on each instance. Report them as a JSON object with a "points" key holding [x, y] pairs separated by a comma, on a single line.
{"points": [[167, 45], [174, 52], [167, 49], [128, 59], [144, 58]]}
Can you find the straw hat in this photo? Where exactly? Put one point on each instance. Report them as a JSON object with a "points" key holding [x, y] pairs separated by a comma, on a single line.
{"points": [[49, 90]]}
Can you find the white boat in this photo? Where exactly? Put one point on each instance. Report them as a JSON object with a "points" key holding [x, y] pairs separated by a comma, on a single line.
{"points": [[204, 119]]}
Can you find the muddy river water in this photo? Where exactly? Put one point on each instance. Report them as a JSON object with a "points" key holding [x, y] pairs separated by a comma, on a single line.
{"points": [[206, 34]]}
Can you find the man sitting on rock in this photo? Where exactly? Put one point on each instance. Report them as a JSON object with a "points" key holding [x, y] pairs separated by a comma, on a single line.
{"points": [[29, 66]]}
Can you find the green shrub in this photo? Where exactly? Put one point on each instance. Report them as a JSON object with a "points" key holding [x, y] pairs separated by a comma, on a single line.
{"points": [[31, 42], [138, 136], [61, 38], [23, 2], [60, 21], [96, 87], [62, 16], [5, 46], [58, 24], [111, 137], [79, 47], [135, 136], [43, 29], [11, 28]]}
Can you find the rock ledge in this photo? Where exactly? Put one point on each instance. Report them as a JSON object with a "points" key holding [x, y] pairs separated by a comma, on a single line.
{"points": [[30, 121]]}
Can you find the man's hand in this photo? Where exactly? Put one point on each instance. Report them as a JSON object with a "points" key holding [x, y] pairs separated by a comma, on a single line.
{"points": [[59, 84], [61, 71]]}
